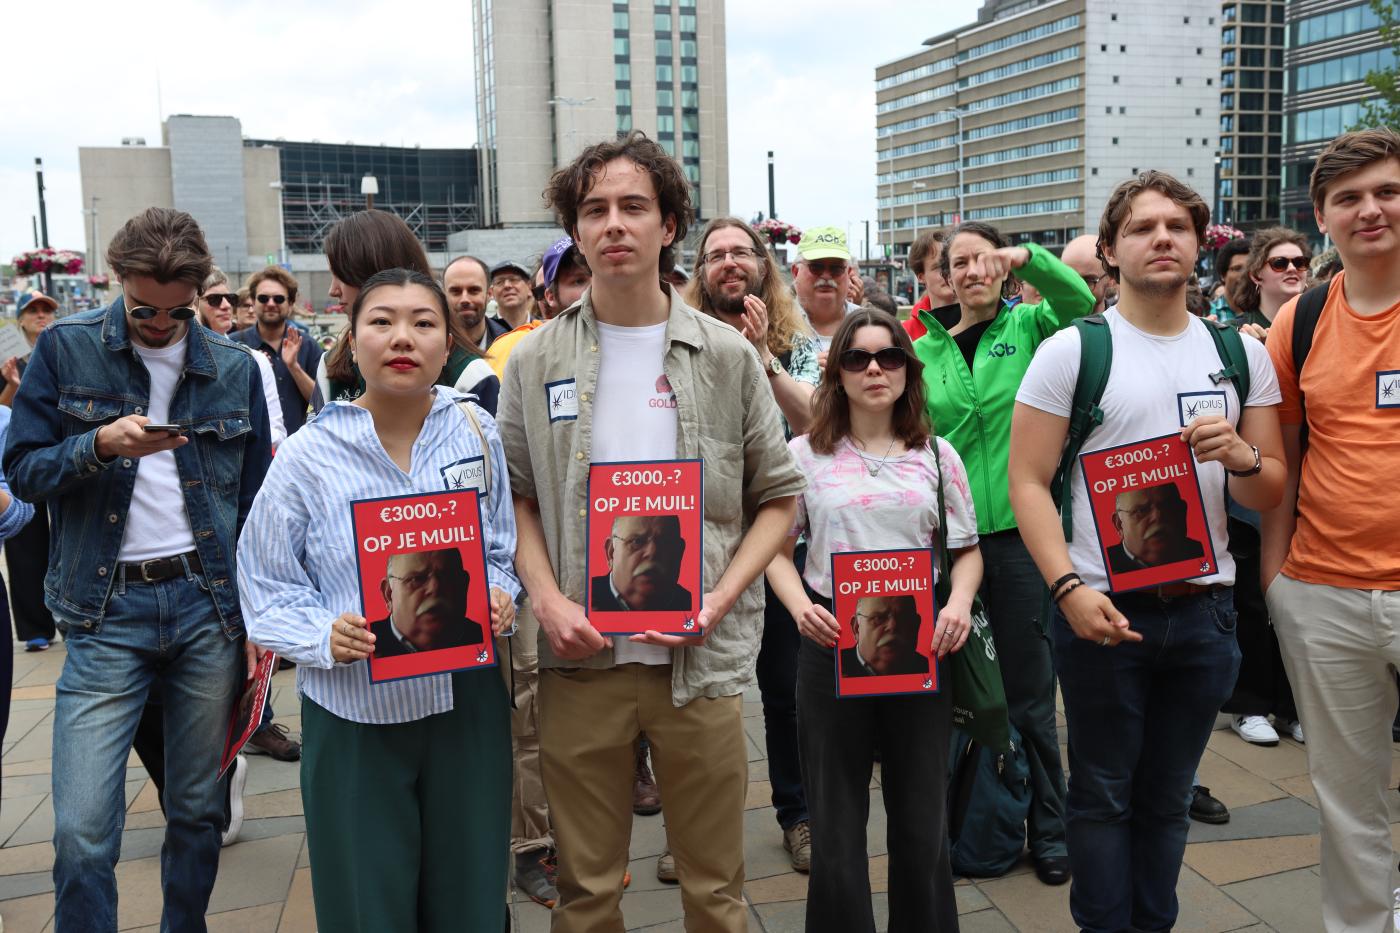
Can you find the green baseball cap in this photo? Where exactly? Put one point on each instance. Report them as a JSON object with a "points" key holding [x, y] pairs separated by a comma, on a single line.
{"points": [[823, 243]]}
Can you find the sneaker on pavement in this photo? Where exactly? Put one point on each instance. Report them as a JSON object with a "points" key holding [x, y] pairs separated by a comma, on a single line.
{"points": [[1254, 729], [274, 741], [536, 873], [797, 842], [666, 868], [238, 779], [1293, 727], [1205, 808], [37, 644], [646, 797]]}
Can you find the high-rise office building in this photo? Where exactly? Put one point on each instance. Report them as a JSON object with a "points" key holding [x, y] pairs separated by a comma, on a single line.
{"points": [[1251, 112], [553, 76], [1332, 46], [1028, 118]]}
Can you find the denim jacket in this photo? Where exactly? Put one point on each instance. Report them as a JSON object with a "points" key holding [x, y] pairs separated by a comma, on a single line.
{"points": [[82, 375]]}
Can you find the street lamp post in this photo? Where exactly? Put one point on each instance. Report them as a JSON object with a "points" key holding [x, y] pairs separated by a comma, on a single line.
{"points": [[282, 220], [43, 221], [917, 186], [958, 116], [369, 187]]}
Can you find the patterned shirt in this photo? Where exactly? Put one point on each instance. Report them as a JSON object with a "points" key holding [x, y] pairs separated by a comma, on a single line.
{"points": [[297, 569]]}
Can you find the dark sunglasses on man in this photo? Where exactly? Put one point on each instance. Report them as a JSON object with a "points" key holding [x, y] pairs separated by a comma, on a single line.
{"points": [[275, 299], [858, 361], [216, 300], [538, 292], [1280, 263]]}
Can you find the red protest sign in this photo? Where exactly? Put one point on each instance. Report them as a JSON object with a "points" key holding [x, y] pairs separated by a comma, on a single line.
{"points": [[645, 547], [423, 583], [1146, 502], [883, 601], [248, 711]]}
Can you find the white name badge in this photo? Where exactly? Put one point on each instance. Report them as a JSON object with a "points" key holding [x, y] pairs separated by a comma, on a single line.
{"points": [[1388, 388], [562, 397], [1193, 405], [465, 474]]}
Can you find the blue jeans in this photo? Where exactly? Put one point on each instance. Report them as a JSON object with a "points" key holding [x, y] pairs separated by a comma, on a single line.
{"points": [[1139, 715], [167, 634]]}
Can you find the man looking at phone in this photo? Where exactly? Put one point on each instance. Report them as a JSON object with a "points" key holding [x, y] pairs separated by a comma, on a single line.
{"points": [[141, 576], [294, 357]]}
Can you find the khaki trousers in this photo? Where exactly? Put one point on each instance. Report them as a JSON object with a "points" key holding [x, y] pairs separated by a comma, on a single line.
{"points": [[1338, 647], [589, 724], [529, 810]]}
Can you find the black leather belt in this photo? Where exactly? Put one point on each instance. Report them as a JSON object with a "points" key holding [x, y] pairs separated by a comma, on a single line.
{"points": [[158, 569], [1182, 589]]}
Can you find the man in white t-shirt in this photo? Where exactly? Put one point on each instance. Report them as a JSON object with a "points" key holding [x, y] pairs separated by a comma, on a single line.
{"points": [[1143, 673], [632, 373]]}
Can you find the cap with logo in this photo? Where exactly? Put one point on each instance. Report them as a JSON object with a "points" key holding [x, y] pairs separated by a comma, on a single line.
{"points": [[34, 300], [823, 243], [510, 265], [554, 258]]}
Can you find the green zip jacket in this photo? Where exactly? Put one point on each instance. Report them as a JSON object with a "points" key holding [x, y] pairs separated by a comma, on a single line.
{"points": [[973, 409]]}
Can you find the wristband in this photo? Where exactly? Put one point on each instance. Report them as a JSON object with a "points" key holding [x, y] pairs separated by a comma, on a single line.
{"points": [[1067, 590], [1258, 465], [1063, 580]]}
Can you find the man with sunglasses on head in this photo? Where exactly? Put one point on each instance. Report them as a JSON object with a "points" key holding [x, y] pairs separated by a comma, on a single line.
{"points": [[294, 357], [141, 576]]}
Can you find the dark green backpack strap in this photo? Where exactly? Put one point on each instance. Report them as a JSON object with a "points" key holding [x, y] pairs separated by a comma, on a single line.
{"points": [[1229, 346], [1095, 362], [1305, 317]]}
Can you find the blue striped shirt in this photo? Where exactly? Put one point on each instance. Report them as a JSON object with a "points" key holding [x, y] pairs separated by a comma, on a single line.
{"points": [[17, 514], [296, 557]]}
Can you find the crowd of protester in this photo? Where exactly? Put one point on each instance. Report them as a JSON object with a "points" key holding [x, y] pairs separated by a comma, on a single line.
{"points": [[147, 522]]}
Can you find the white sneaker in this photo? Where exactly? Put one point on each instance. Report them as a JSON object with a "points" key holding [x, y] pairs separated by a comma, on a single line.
{"points": [[1293, 727], [1395, 911], [238, 779], [1254, 729]]}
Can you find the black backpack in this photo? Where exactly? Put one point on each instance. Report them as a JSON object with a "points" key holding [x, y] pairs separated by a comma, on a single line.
{"points": [[1305, 317]]}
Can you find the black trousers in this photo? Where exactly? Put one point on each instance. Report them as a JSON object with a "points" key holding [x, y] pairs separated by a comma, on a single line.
{"points": [[27, 555], [777, 684], [1262, 687], [839, 739]]}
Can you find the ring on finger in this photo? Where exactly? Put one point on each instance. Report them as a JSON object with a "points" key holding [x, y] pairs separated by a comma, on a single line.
{"points": [[1104, 643]]}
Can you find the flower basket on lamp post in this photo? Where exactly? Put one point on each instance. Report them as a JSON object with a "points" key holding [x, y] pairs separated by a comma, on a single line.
{"points": [[48, 260]]}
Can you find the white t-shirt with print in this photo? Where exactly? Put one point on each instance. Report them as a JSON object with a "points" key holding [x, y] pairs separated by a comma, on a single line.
{"points": [[634, 418], [1151, 383], [845, 509]]}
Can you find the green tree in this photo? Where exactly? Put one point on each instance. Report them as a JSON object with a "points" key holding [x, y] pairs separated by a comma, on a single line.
{"points": [[1386, 82]]}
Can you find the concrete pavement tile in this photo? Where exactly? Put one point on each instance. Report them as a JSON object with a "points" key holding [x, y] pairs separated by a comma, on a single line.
{"points": [[24, 720], [37, 827], [304, 858], [531, 917], [1289, 902], [147, 819], [643, 877], [786, 887], [15, 812], [37, 766], [648, 908], [1300, 787], [783, 917], [1226, 862], [673, 926], [26, 785], [1234, 785], [266, 775], [1204, 909], [27, 914], [255, 872], [760, 794], [139, 894], [1282, 761], [299, 914], [36, 882], [17, 860], [985, 921], [648, 837], [142, 843], [1287, 816], [1030, 905], [246, 920], [147, 799], [970, 898], [273, 826], [277, 803], [36, 743], [763, 845], [758, 770]]}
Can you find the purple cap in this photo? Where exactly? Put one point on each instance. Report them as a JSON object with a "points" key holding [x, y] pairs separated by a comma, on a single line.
{"points": [[554, 257]]}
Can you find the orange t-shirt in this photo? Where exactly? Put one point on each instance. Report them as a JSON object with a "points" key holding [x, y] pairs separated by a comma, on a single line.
{"points": [[1347, 520]]}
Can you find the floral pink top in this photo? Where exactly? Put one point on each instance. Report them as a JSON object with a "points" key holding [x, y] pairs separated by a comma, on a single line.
{"points": [[844, 508]]}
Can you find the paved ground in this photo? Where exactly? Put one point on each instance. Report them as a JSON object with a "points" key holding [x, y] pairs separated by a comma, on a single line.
{"points": [[1259, 872]]}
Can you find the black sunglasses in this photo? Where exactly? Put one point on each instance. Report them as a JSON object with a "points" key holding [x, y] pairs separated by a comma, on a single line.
{"points": [[145, 313], [275, 299], [538, 292], [222, 297], [858, 361], [1280, 263]]}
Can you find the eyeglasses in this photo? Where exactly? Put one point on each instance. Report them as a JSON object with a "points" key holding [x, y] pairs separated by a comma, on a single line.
{"points": [[819, 268], [635, 544], [146, 312], [275, 299], [215, 300], [416, 581], [1091, 280], [858, 361], [716, 256], [885, 615], [1280, 263], [538, 292]]}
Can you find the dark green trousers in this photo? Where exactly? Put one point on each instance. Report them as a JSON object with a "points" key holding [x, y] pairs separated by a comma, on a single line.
{"points": [[408, 825]]}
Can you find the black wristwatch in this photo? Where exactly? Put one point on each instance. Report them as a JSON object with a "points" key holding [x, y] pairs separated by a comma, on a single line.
{"points": [[1252, 471]]}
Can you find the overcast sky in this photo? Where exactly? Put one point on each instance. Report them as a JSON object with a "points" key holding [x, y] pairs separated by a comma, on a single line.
{"points": [[801, 82]]}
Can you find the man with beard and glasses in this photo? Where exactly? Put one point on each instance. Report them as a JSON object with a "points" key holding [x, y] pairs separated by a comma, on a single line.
{"points": [[466, 282], [294, 356], [1142, 673], [737, 282], [821, 277]]}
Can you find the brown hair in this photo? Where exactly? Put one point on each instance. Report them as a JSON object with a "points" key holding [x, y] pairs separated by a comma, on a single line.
{"points": [[1119, 208], [831, 413], [570, 185], [163, 244], [456, 333], [785, 322], [1009, 285], [277, 274], [1245, 296], [930, 241], [1351, 152], [358, 247]]}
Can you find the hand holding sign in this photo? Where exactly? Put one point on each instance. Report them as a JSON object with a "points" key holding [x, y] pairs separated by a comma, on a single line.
{"points": [[571, 636], [502, 610], [351, 639], [1214, 439], [819, 625]]}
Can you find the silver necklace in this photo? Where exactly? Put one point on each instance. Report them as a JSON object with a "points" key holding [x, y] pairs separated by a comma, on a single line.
{"points": [[873, 469]]}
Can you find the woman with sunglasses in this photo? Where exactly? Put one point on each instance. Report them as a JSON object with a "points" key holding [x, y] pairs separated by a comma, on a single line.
{"points": [[357, 247], [217, 305], [873, 472], [406, 783], [971, 372], [1275, 272]]}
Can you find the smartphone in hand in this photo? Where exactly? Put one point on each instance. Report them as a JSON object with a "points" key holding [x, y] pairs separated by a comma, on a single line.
{"points": [[161, 428]]}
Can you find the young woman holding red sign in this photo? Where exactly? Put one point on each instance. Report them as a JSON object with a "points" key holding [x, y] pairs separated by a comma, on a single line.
{"points": [[406, 784], [872, 468]]}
